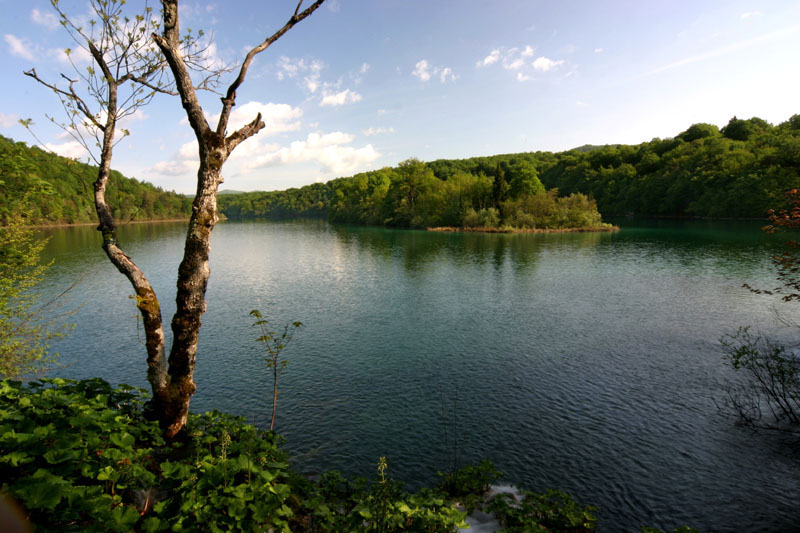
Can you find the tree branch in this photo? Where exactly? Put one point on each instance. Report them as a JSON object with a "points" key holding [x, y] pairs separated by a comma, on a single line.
{"points": [[230, 97]]}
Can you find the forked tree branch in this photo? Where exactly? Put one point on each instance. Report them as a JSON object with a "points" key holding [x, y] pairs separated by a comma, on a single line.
{"points": [[230, 98]]}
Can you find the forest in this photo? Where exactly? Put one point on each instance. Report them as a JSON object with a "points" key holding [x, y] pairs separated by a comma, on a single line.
{"points": [[58, 190], [738, 171]]}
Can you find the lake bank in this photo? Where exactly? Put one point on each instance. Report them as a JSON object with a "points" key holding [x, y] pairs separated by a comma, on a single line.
{"points": [[455, 229]]}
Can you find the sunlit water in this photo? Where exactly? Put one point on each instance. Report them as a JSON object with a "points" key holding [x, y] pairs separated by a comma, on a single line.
{"points": [[586, 362]]}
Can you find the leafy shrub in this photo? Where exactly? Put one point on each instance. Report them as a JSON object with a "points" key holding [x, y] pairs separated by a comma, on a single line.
{"points": [[338, 504], [553, 510], [768, 395], [485, 218], [80, 455]]}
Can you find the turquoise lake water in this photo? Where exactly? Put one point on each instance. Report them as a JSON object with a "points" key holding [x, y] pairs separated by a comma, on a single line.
{"points": [[585, 362]]}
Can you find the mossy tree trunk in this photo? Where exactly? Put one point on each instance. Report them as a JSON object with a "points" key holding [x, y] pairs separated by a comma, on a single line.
{"points": [[172, 403]]}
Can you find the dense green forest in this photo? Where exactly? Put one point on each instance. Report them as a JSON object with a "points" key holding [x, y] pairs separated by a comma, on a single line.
{"points": [[739, 171], [59, 190]]}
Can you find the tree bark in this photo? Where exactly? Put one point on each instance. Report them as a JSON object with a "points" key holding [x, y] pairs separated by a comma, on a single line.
{"points": [[146, 300], [214, 148]]}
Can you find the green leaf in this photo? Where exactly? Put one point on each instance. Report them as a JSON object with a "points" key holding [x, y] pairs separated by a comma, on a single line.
{"points": [[124, 517], [16, 458], [43, 490], [123, 440]]}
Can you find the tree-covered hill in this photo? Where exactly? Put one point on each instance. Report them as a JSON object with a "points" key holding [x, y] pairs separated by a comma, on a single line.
{"points": [[59, 190], [740, 170]]}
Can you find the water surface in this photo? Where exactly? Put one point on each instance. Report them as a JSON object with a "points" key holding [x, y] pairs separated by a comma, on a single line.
{"points": [[586, 362]]}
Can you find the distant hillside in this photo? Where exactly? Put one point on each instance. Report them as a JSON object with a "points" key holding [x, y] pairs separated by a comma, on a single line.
{"points": [[738, 171], [59, 190]]}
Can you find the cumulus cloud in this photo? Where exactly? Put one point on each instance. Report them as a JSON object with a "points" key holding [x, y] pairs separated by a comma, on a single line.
{"points": [[72, 149], [544, 64], [184, 162], [424, 71], [278, 118], [376, 131], [307, 71], [491, 59], [48, 20], [516, 60], [510, 58], [19, 47], [330, 150], [340, 98], [6, 121], [78, 56], [421, 70]]}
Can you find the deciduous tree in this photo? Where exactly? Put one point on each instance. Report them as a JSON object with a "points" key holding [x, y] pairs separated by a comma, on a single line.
{"points": [[135, 53]]}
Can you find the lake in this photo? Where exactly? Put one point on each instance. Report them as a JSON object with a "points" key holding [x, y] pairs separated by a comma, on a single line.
{"points": [[585, 362]]}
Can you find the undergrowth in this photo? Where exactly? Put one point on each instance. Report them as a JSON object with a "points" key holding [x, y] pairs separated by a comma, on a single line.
{"points": [[81, 456]]}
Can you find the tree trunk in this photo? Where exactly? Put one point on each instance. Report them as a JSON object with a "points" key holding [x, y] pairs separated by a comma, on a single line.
{"points": [[146, 300], [214, 149], [193, 275]]}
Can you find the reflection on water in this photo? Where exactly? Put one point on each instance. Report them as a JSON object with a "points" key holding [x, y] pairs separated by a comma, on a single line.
{"points": [[587, 362]]}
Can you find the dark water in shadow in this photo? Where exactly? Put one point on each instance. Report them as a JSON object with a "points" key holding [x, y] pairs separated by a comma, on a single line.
{"points": [[586, 362]]}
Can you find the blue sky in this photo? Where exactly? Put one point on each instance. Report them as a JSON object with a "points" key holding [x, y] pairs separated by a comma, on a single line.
{"points": [[364, 84]]}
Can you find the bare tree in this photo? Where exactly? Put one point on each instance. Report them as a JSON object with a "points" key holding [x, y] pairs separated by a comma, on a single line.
{"points": [[173, 383], [127, 70]]}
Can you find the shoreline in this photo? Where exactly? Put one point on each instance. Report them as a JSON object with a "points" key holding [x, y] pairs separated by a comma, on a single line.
{"points": [[453, 229], [119, 225]]}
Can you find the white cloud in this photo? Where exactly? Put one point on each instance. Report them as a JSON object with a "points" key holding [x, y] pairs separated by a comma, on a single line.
{"points": [[343, 97], [376, 131], [544, 64], [364, 68], [48, 20], [514, 60], [424, 71], [331, 150], [79, 55], [277, 118], [421, 70], [184, 162], [6, 121], [750, 14], [515, 65], [19, 47], [598, 50], [447, 75], [72, 149], [292, 68], [492, 58]]}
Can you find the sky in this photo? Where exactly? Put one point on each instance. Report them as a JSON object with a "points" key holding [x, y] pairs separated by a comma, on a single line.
{"points": [[364, 84]]}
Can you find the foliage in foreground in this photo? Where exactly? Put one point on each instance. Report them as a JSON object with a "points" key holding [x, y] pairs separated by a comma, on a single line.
{"points": [[767, 393], [24, 328], [81, 455]]}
